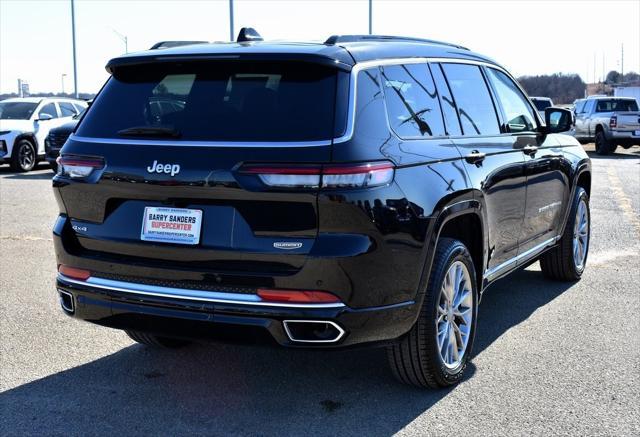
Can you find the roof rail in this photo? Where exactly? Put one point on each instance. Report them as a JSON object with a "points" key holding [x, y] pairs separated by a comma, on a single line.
{"points": [[336, 39], [169, 44]]}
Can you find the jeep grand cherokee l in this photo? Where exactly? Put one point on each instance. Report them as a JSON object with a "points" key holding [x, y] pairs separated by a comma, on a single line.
{"points": [[361, 191]]}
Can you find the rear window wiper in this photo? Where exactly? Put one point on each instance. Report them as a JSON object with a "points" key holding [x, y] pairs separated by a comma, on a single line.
{"points": [[147, 131]]}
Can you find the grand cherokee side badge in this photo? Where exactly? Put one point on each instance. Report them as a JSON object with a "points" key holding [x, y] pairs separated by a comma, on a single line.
{"points": [[286, 245]]}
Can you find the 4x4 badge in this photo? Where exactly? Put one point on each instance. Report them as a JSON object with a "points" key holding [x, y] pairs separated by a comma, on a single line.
{"points": [[286, 245]]}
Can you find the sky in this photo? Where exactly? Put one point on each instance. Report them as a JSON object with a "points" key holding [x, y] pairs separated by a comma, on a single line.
{"points": [[527, 37]]}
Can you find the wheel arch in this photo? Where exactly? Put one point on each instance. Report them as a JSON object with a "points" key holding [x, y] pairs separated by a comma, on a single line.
{"points": [[463, 221], [25, 136]]}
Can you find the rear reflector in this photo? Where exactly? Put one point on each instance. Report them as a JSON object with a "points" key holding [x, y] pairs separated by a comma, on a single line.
{"points": [[78, 167], [318, 176], [74, 273], [296, 296]]}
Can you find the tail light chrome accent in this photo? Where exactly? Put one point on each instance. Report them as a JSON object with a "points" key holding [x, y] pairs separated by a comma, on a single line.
{"points": [[78, 167], [358, 175]]}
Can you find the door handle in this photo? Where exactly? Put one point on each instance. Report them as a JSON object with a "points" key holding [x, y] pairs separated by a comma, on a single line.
{"points": [[530, 150], [475, 157]]}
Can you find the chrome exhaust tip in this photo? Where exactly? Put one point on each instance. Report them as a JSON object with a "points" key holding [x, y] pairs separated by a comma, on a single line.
{"points": [[313, 331], [67, 302]]}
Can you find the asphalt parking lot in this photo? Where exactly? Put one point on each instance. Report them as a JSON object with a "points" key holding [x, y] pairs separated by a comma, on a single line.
{"points": [[550, 358]]}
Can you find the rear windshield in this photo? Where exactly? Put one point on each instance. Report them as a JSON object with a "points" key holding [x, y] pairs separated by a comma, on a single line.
{"points": [[216, 101], [616, 105], [541, 105]]}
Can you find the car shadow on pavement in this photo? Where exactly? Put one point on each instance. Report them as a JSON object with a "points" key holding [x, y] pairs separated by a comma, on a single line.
{"points": [[226, 389], [42, 171], [635, 154]]}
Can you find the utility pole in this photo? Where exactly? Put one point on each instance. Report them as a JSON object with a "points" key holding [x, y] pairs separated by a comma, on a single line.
{"points": [[73, 37], [20, 88], [370, 17], [622, 63], [595, 80], [62, 77], [231, 30]]}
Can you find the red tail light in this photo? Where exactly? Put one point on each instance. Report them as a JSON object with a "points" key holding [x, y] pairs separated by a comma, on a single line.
{"points": [[74, 273], [613, 121], [297, 296], [78, 167], [323, 176]]}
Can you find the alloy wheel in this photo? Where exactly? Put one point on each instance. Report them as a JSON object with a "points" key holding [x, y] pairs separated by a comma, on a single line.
{"points": [[26, 157], [455, 315], [580, 235]]}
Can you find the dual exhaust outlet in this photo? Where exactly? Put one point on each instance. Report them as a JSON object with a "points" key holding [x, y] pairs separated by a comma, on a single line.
{"points": [[298, 331]]}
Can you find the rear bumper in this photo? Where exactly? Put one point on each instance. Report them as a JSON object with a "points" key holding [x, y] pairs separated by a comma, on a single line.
{"points": [[624, 138], [198, 314]]}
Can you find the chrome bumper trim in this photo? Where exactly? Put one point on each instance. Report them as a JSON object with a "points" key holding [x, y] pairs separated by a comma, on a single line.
{"points": [[188, 294]]}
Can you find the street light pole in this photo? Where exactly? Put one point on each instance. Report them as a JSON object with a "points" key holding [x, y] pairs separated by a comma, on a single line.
{"points": [[62, 77], [124, 39], [231, 30], [73, 37], [370, 17]]}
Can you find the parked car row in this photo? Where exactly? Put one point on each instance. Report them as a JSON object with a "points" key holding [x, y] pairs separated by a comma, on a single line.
{"points": [[25, 124]]}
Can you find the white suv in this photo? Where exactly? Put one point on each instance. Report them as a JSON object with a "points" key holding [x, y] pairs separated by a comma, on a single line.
{"points": [[25, 123]]}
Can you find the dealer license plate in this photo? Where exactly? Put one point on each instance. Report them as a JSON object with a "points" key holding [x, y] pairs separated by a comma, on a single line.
{"points": [[171, 225]]}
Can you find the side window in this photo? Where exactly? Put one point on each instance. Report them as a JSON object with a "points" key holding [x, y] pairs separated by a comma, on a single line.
{"points": [[50, 109], [370, 114], [412, 101], [449, 109], [588, 107], [580, 106], [475, 107], [518, 113], [67, 109]]}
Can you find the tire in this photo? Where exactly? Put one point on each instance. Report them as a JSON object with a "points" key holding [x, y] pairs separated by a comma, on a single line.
{"points": [[603, 147], [416, 358], [561, 263], [24, 156], [156, 341]]}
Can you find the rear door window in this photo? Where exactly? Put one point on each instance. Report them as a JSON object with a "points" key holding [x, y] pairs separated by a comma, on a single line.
{"points": [[50, 109], [517, 111], [412, 101], [67, 109], [475, 107], [449, 109], [217, 101], [620, 105]]}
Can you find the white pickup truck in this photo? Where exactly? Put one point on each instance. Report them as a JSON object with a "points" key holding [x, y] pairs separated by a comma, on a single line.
{"points": [[609, 122]]}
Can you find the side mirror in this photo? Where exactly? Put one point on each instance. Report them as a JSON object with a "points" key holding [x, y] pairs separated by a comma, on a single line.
{"points": [[558, 120], [44, 117]]}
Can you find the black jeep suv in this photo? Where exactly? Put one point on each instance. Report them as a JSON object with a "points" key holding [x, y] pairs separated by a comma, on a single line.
{"points": [[365, 190]]}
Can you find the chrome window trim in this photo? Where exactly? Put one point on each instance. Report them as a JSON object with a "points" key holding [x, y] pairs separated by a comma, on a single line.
{"points": [[492, 273], [351, 115], [188, 294]]}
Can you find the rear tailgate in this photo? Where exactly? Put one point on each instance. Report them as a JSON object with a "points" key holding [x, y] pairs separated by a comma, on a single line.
{"points": [[173, 135], [628, 121]]}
